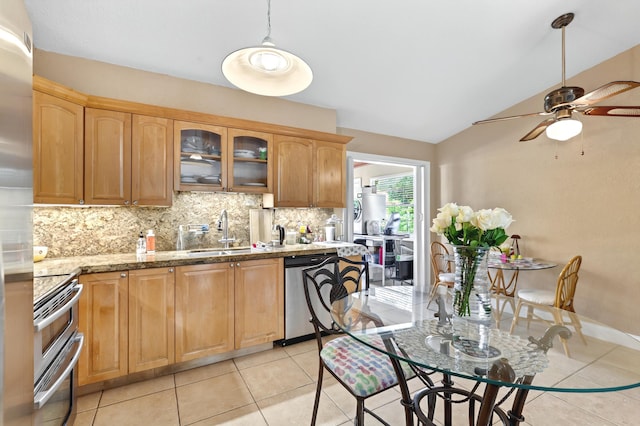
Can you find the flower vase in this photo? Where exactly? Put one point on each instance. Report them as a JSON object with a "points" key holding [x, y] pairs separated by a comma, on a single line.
{"points": [[472, 298]]}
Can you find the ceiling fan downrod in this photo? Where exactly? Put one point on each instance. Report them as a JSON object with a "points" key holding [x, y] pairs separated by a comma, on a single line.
{"points": [[560, 23]]}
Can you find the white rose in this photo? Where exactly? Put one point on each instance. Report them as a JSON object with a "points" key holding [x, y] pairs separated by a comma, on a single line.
{"points": [[500, 218], [441, 222], [450, 209], [482, 219], [465, 213]]}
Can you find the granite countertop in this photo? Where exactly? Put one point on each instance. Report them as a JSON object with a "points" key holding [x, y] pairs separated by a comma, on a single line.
{"points": [[129, 261]]}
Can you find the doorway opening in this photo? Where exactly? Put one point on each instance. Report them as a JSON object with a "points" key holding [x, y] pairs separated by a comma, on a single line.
{"points": [[404, 185]]}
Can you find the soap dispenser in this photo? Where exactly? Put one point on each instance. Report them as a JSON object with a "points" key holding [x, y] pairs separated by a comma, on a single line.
{"points": [[141, 246]]}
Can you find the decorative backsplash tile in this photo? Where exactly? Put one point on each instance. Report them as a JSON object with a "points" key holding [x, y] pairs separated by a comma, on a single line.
{"points": [[86, 231]]}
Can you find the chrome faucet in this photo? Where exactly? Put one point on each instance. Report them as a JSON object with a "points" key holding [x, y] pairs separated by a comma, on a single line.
{"points": [[223, 225]]}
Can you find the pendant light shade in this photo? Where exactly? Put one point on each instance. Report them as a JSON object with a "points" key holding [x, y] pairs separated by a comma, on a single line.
{"points": [[564, 129], [266, 70]]}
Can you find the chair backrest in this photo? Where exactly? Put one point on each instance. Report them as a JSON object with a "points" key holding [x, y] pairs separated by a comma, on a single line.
{"points": [[567, 283], [439, 263], [333, 279]]}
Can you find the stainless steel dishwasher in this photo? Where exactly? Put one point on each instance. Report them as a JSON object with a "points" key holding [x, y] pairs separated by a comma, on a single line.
{"points": [[297, 327]]}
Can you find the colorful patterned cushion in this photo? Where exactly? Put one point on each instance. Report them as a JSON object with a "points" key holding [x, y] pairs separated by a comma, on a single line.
{"points": [[363, 369]]}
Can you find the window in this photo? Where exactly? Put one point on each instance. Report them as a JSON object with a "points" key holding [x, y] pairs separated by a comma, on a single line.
{"points": [[399, 190]]}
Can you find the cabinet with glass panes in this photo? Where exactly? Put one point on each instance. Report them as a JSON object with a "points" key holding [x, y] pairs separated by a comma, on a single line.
{"points": [[214, 158], [200, 156]]}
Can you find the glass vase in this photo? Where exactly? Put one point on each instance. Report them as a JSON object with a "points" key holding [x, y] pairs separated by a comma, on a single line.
{"points": [[472, 298]]}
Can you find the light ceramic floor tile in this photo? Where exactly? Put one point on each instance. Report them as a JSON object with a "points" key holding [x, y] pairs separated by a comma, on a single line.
{"points": [[258, 358], [298, 348], [548, 409], [207, 398], [136, 390], [158, 409], [309, 362], [85, 418], [295, 407], [275, 377], [248, 415], [347, 402], [89, 402], [205, 372]]}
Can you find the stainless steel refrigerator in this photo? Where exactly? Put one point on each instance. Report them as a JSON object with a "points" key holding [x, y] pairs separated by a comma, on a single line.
{"points": [[16, 201]]}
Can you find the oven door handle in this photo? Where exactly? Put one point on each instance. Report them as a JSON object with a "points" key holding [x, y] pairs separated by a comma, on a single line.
{"points": [[45, 322], [41, 398]]}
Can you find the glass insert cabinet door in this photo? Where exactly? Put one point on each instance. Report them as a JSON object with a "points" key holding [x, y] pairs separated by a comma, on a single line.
{"points": [[214, 158], [249, 162], [201, 160]]}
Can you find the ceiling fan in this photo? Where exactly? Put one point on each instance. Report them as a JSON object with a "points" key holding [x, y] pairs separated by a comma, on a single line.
{"points": [[563, 102]]}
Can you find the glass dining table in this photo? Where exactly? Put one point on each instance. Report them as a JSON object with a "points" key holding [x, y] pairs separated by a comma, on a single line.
{"points": [[505, 364], [508, 288]]}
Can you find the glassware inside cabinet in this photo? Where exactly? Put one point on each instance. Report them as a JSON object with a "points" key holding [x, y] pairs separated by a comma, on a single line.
{"points": [[200, 157], [250, 162]]}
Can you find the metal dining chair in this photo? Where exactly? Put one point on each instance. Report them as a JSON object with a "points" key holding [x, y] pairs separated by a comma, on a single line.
{"points": [[561, 298], [361, 370], [441, 269]]}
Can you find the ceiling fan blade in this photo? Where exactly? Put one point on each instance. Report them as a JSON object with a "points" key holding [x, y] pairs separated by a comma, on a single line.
{"points": [[613, 111], [604, 92], [538, 130], [493, 120]]}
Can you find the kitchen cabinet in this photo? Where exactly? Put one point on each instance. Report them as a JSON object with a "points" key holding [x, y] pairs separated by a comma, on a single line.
{"points": [[310, 173], [128, 159], [215, 158], [58, 126], [259, 302], [103, 319], [151, 318], [204, 310], [128, 322]]}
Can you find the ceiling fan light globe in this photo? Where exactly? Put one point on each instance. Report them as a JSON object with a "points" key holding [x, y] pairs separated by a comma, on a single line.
{"points": [[564, 129]]}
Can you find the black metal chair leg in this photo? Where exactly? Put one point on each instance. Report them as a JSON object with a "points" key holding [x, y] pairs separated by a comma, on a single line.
{"points": [[316, 403]]}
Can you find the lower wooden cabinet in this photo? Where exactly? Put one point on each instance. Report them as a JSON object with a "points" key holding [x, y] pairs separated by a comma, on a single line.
{"points": [[259, 305], [148, 318], [127, 320], [151, 318], [103, 320], [204, 310]]}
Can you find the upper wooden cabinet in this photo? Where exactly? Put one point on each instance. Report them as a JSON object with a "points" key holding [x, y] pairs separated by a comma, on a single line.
{"points": [[57, 150], [309, 173], [128, 159], [214, 158]]}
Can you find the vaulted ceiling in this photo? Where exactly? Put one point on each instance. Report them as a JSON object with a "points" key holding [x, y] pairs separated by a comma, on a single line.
{"points": [[417, 69]]}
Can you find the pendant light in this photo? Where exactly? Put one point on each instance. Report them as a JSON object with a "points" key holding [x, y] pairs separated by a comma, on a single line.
{"points": [[265, 69]]}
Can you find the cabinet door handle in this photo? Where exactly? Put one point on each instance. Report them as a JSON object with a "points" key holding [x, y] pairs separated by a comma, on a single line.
{"points": [[135, 202], [231, 265], [230, 189], [171, 270], [126, 203], [237, 264], [123, 275], [81, 202]]}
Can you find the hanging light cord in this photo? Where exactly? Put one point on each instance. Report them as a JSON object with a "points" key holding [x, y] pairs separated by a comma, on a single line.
{"points": [[268, 37]]}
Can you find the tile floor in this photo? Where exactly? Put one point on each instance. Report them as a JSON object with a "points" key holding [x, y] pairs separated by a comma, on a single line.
{"points": [[277, 387]]}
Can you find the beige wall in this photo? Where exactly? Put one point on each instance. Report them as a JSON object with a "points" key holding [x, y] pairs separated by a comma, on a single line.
{"points": [[112, 81], [564, 203]]}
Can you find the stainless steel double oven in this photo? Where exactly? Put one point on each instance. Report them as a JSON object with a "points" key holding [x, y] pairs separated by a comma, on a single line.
{"points": [[57, 346]]}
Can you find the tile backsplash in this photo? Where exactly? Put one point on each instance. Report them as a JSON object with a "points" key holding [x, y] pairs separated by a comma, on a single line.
{"points": [[86, 231]]}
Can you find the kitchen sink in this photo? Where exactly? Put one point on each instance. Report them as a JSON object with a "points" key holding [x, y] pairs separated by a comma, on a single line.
{"points": [[218, 252]]}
